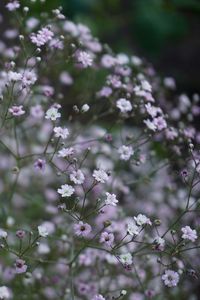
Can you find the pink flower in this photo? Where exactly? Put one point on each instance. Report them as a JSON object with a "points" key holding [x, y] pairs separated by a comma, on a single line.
{"points": [[189, 233], [48, 90], [43, 36], [40, 164], [84, 58], [82, 229], [29, 78], [65, 78], [160, 123], [11, 6], [170, 278], [20, 266], [37, 111], [106, 91], [107, 238], [108, 61], [20, 234], [17, 110]]}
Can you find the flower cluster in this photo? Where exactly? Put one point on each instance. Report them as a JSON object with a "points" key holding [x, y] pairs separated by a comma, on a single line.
{"points": [[100, 169]]}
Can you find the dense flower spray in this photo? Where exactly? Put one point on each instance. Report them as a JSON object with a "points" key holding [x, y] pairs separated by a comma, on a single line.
{"points": [[100, 169]]}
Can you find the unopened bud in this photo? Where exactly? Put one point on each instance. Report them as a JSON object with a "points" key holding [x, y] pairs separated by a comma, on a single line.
{"points": [[107, 223]]}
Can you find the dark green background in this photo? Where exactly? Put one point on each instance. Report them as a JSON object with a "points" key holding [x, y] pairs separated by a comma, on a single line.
{"points": [[166, 32]]}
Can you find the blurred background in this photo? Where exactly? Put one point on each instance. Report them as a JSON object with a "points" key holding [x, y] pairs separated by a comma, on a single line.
{"points": [[165, 32]]}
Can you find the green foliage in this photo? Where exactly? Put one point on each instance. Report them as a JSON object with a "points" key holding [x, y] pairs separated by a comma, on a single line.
{"points": [[152, 24]]}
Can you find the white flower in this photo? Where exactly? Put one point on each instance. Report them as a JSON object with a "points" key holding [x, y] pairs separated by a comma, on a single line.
{"points": [[136, 61], [65, 78], [146, 86], [42, 229], [100, 176], [170, 278], [14, 76], [52, 114], [66, 190], [132, 228], [169, 82], [142, 220], [125, 152], [65, 152], [189, 233], [123, 292], [77, 177], [61, 132], [3, 234], [71, 28], [126, 259], [85, 108], [32, 22], [160, 243], [122, 59], [4, 292], [111, 199], [124, 105], [150, 124]]}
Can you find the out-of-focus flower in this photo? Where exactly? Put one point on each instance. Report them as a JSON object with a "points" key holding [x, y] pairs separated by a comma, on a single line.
{"points": [[125, 152], [4, 292], [189, 233], [100, 176], [13, 5], [170, 278], [61, 132], [42, 37]]}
